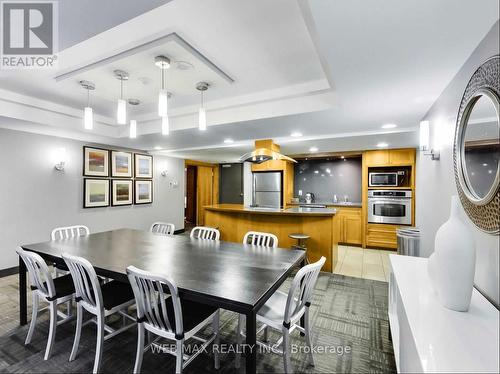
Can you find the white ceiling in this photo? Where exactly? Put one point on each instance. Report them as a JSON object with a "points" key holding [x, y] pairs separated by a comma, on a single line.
{"points": [[333, 70]]}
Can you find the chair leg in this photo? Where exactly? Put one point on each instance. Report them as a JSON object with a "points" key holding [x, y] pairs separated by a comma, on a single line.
{"points": [[100, 342], [140, 348], [179, 356], [239, 340], [286, 351], [78, 332], [215, 326], [307, 327], [34, 315], [52, 329]]}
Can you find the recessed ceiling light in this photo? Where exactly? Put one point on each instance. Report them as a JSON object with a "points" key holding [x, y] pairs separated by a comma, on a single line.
{"points": [[389, 126], [228, 141], [342, 157], [485, 164], [157, 147], [296, 134], [313, 149], [382, 145], [316, 171]]}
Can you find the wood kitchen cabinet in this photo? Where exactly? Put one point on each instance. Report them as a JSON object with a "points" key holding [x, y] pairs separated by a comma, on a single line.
{"points": [[381, 236], [390, 157], [350, 225]]}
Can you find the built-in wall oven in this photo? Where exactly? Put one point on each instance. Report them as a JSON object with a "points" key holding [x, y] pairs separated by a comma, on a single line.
{"points": [[389, 206]]}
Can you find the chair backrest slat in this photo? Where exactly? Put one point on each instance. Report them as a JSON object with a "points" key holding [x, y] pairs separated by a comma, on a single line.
{"points": [[69, 232], [151, 300], [38, 272], [87, 286], [303, 284], [203, 232], [163, 228], [262, 239]]}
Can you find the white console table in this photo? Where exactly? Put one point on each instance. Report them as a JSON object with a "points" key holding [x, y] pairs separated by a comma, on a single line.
{"points": [[427, 337]]}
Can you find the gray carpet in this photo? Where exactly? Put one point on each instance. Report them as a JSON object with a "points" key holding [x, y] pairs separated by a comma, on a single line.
{"points": [[348, 314]]}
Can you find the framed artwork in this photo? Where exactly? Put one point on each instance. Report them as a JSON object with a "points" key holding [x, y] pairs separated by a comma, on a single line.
{"points": [[121, 192], [143, 166], [121, 164], [143, 192], [95, 162], [95, 193]]}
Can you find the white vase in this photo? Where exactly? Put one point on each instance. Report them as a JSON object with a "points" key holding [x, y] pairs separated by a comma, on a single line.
{"points": [[453, 264]]}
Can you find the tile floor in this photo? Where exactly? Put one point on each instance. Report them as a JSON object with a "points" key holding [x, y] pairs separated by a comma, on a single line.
{"points": [[363, 263]]}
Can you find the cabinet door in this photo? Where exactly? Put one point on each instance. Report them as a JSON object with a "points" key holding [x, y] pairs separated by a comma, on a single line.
{"points": [[377, 158], [401, 157], [381, 236], [342, 228], [352, 233]]}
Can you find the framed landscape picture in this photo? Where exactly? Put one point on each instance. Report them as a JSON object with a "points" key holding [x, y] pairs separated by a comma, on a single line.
{"points": [[143, 166], [121, 164], [95, 193], [121, 192], [95, 162], [143, 192]]}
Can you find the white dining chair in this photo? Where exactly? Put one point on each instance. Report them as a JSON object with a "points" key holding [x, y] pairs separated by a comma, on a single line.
{"points": [[99, 300], [54, 291], [163, 313], [263, 239], [69, 232], [203, 232], [163, 228], [282, 312]]}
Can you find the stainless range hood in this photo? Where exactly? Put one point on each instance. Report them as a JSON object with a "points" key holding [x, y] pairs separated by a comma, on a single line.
{"points": [[265, 150]]}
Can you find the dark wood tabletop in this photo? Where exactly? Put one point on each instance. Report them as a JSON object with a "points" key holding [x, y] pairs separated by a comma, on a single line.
{"points": [[231, 276]]}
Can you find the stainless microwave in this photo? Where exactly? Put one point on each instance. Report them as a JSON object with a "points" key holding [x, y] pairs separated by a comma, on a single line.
{"points": [[386, 179]]}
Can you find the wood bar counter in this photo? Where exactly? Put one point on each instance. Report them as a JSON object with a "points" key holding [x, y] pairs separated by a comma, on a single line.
{"points": [[234, 221]]}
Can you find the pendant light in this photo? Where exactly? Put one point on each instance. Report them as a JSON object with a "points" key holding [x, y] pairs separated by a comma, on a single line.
{"points": [[133, 122], [121, 110], [88, 114], [202, 114], [163, 63], [165, 126]]}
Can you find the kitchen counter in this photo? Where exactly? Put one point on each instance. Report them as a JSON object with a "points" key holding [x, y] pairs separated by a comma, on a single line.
{"points": [[287, 211], [329, 203], [321, 224]]}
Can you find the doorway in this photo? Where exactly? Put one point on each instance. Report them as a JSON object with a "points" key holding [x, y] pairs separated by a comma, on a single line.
{"points": [[202, 189], [190, 198]]}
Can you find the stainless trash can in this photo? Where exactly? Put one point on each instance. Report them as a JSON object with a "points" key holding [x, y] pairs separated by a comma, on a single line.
{"points": [[408, 241]]}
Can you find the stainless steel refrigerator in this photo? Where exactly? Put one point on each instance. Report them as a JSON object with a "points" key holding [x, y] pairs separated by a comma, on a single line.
{"points": [[267, 189]]}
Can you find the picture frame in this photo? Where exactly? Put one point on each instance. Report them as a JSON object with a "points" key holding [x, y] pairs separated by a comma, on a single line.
{"points": [[95, 162], [143, 166], [95, 193], [121, 164], [143, 192], [122, 192]]}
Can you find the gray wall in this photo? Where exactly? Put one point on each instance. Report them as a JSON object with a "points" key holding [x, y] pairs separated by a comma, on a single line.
{"points": [[435, 179], [340, 177], [34, 198]]}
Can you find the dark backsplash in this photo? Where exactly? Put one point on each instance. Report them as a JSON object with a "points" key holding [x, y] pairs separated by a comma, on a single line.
{"points": [[326, 178]]}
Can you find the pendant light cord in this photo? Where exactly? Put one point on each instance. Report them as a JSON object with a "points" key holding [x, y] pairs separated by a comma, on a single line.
{"points": [[121, 88], [88, 97]]}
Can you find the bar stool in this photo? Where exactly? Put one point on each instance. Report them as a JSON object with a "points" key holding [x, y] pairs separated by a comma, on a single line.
{"points": [[301, 243]]}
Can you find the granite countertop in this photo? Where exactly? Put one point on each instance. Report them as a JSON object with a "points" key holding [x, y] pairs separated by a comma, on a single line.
{"points": [[330, 203], [236, 208]]}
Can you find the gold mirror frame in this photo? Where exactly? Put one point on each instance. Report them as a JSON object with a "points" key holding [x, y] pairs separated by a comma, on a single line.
{"points": [[484, 212]]}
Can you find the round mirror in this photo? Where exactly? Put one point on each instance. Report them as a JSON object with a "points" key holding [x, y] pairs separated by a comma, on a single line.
{"points": [[480, 146]]}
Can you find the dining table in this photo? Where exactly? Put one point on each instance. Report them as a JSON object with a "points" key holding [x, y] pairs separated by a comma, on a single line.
{"points": [[232, 276]]}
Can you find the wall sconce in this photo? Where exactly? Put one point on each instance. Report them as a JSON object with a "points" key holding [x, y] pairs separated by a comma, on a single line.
{"points": [[425, 141], [60, 159]]}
